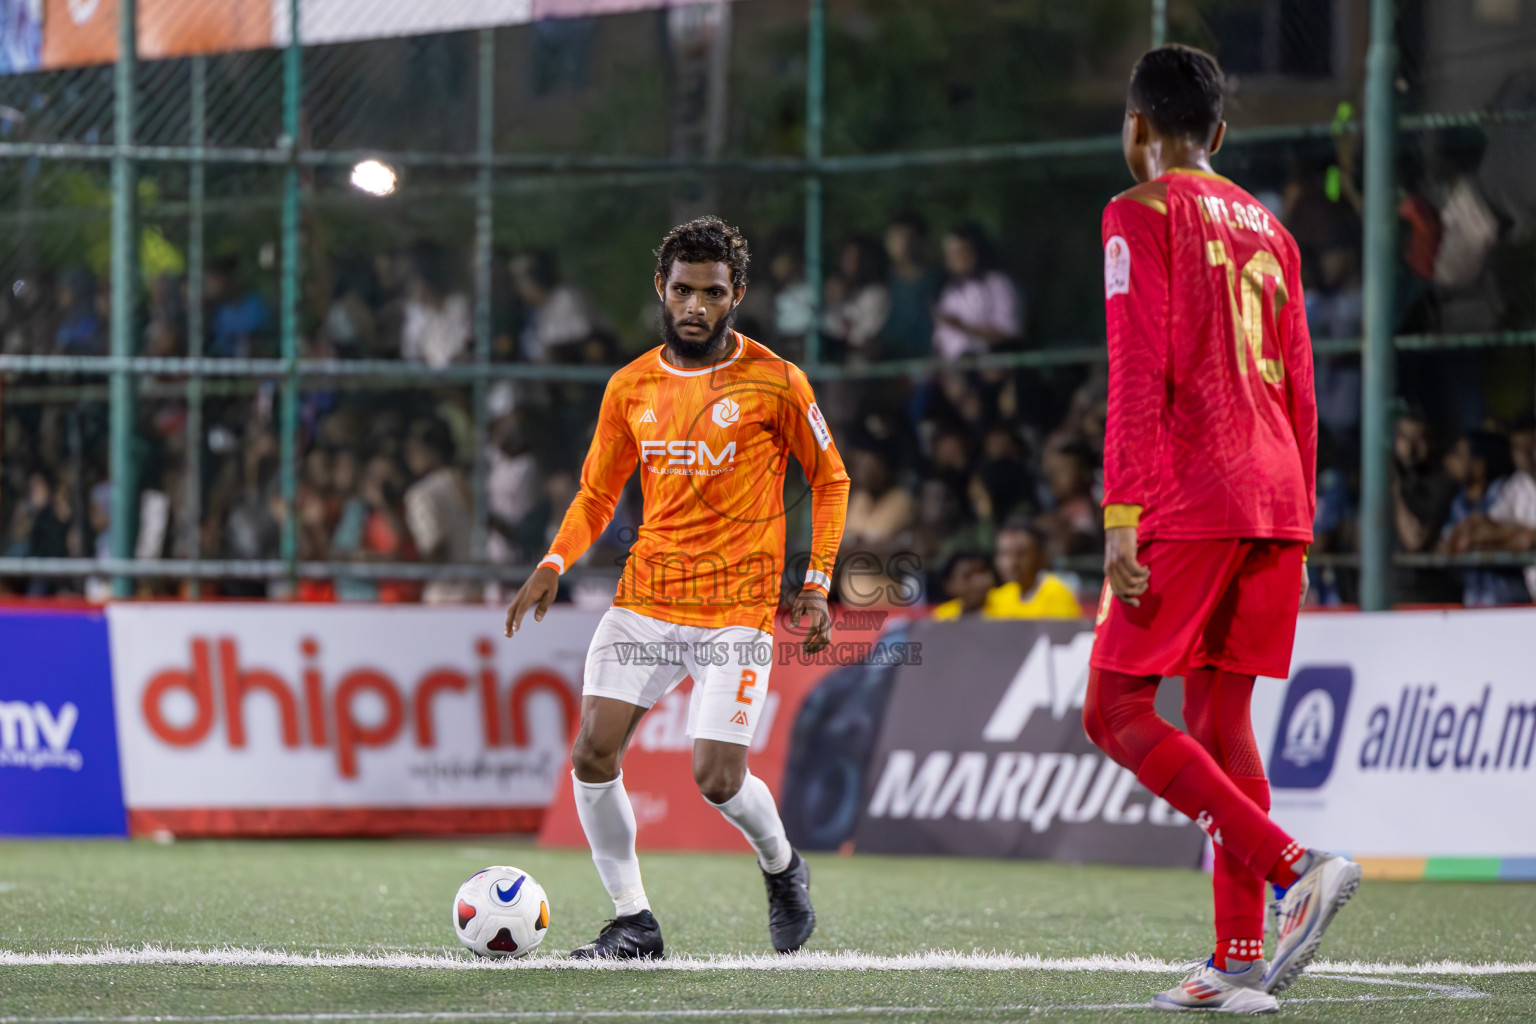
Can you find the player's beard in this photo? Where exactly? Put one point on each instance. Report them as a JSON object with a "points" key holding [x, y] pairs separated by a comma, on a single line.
{"points": [[692, 349]]}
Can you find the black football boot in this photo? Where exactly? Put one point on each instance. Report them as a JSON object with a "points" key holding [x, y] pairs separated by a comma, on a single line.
{"points": [[791, 918], [632, 937]]}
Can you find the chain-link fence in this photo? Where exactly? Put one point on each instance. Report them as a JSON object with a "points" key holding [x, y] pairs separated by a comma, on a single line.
{"points": [[273, 264]]}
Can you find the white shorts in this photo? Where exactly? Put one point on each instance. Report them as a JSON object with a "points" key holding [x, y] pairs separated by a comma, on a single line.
{"points": [[639, 660]]}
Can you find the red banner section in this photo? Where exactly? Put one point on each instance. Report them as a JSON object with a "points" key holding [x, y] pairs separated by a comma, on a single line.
{"points": [[332, 821], [658, 769]]}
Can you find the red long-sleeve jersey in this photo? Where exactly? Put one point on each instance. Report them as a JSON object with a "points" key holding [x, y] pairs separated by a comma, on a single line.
{"points": [[1212, 424]]}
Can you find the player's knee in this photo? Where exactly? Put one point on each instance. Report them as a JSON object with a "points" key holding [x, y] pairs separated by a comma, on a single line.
{"points": [[717, 781], [1102, 734], [591, 762]]}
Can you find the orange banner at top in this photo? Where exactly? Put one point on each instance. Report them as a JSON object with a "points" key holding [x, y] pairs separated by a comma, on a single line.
{"points": [[77, 32]]}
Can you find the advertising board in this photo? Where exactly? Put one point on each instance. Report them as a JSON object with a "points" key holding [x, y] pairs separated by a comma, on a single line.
{"points": [[982, 753], [1406, 734], [58, 741], [336, 720]]}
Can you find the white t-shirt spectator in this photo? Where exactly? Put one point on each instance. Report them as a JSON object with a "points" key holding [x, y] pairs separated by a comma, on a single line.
{"points": [[438, 514], [793, 311], [859, 318], [512, 489], [436, 336], [987, 302], [1516, 506], [566, 317]]}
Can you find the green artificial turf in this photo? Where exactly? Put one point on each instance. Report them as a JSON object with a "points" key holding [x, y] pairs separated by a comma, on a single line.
{"points": [[378, 897]]}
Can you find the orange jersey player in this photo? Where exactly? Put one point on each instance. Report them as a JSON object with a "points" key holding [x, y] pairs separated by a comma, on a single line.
{"points": [[711, 418], [1209, 478]]}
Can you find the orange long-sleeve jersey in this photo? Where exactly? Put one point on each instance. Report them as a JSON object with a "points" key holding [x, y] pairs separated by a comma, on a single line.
{"points": [[713, 445]]}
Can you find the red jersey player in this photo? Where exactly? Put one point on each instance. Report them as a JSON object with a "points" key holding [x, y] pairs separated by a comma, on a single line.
{"points": [[710, 417], [1210, 456]]}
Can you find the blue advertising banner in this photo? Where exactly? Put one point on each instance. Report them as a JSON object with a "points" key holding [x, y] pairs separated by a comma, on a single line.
{"points": [[58, 739]]}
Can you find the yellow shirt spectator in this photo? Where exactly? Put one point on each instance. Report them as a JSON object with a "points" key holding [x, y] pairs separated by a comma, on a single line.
{"points": [[1050, 599]]}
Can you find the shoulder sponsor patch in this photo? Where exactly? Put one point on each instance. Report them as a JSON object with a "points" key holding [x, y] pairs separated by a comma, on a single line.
{"points": [[1117, 267], [819, 426]]}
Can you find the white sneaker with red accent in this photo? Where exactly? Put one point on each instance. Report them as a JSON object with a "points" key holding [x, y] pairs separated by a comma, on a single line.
{"points": [[1208, 987], [1305, 912]]}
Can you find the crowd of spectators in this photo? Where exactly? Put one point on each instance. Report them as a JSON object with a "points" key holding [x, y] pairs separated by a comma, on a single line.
{"points": [[953, 464]]}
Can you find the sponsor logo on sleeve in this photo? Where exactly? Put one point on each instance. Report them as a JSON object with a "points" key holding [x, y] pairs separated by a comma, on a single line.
{"points": [[819, 426], [1117, 267]]}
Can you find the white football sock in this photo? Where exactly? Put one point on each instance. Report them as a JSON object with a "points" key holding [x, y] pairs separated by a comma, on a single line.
{"points": [[608, 819], [753, 811]]}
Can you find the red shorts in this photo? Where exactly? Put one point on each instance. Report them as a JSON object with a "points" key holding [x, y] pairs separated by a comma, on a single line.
{"points": [[1229, 604]]}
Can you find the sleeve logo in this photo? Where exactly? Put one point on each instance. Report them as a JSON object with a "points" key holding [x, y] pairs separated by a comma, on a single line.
{"points": [[819, 426], [1117, 267]]}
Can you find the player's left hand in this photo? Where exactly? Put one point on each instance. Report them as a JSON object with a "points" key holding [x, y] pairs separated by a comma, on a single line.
{"points": [[819, 632], [1306, 585], [1128, 578]]}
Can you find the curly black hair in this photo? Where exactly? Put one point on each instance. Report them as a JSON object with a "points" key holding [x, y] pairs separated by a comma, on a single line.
{"points": [[1179, 89], [705, 240]]}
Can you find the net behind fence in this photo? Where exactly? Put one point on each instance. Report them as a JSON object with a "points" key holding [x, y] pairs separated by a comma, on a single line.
{"points": [[415, 244]]}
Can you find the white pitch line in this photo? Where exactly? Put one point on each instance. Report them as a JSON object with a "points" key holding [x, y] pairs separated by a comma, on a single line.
{"points": [[448, 1016], [805, 961]]}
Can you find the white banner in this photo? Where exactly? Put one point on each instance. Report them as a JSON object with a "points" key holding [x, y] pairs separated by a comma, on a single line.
{"points": [[1406, 734], [336, 21], [291, 706]]}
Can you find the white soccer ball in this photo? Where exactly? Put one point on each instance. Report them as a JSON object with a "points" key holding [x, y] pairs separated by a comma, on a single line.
{"points": [[501, 912]]}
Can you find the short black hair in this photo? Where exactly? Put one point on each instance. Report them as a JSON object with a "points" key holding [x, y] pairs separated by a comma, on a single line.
{"points": [[1179, 89], [1023, 524], [974, 235], [541, 266], [434, 434], [963, 556], [912, 221], [705, 240], [433, 263], [1493, 449], [1081, 450]]}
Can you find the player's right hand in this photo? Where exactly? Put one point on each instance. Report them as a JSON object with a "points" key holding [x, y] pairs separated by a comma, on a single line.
{"points": [[539, 589], [1127, 577]]}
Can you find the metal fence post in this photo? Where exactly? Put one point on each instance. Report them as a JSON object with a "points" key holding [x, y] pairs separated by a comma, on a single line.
{"points": [[484, 237], [800, 526], [815, 119], [125, 293], [196, 193], [288, 422], [1379, 359]]}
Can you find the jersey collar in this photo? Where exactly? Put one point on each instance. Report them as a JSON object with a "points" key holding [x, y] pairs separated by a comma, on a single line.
{"points": [[1198, 174], [678, 371]]}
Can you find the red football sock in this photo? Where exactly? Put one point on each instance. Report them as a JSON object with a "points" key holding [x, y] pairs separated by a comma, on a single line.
{"points": [[1238, 892], [1181, 772], [1241, 950], [1284, 873], [1216, 713]]}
